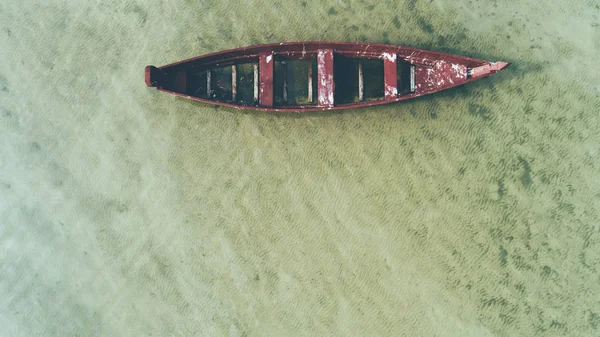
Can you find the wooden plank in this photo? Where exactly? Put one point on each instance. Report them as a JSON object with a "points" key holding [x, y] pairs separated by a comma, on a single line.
{"points": [[390, 77], [233, 82], [208, 83], [266, 62], [361, 83], [325, 75], [413, 84], [284, 75], [310, 93], [256, 83]]}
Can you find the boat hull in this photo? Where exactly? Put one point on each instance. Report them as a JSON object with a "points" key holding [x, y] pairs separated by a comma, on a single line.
{"points": [[404, 73]]}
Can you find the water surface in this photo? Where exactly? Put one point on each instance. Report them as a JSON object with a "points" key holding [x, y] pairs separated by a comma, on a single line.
{"points": [[127, 212]]}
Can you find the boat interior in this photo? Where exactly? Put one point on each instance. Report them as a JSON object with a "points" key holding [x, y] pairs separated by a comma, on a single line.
{"points": [[292, 81]]}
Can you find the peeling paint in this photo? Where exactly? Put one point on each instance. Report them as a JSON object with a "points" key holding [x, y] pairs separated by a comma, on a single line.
{"points": [[389, 57], [391, 91], [460, 71], [269, 58], [390, 76], [325, 74]]}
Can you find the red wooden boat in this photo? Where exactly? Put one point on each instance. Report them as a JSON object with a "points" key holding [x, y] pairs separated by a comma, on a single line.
{"points": [[313, 76]]}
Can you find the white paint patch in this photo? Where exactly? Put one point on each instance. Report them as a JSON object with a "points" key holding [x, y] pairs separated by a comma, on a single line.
{"points": [[269, 58], [389, 57], [391, 91], [321, 57], [459, 71]]}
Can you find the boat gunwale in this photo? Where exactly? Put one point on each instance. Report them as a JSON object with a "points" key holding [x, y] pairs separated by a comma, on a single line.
{"points": [[381, 48]]}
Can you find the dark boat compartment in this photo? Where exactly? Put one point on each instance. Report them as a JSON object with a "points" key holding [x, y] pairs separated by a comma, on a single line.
{"points": [[196, 83], [220, 89], [403, 74], [373, 79], [245, 83], [218, 84], [294, 81], [347, 77]]}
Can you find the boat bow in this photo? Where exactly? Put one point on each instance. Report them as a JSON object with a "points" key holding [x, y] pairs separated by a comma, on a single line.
{"points": [[488, 69]]}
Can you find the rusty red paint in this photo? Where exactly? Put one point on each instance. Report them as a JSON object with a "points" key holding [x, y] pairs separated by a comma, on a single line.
{"points": [[325, 86], [439, 75], [434, 71], [488, 69], [390, 80], [265, 70]]}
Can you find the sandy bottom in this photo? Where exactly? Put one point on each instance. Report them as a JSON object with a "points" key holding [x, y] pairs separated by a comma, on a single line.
{"points": [[128, 212]]}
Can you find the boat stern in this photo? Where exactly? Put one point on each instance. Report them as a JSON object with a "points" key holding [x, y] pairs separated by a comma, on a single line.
{"points": [[153, 76]]}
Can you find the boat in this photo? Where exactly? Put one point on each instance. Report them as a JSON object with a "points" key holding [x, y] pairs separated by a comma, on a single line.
{"points": [[316, 76]]}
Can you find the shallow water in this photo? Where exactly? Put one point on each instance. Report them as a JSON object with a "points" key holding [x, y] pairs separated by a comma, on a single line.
{"points": [[128, 212]]}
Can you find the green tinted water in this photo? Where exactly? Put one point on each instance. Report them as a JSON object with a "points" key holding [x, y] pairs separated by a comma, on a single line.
{"points": [[127, 212]]}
